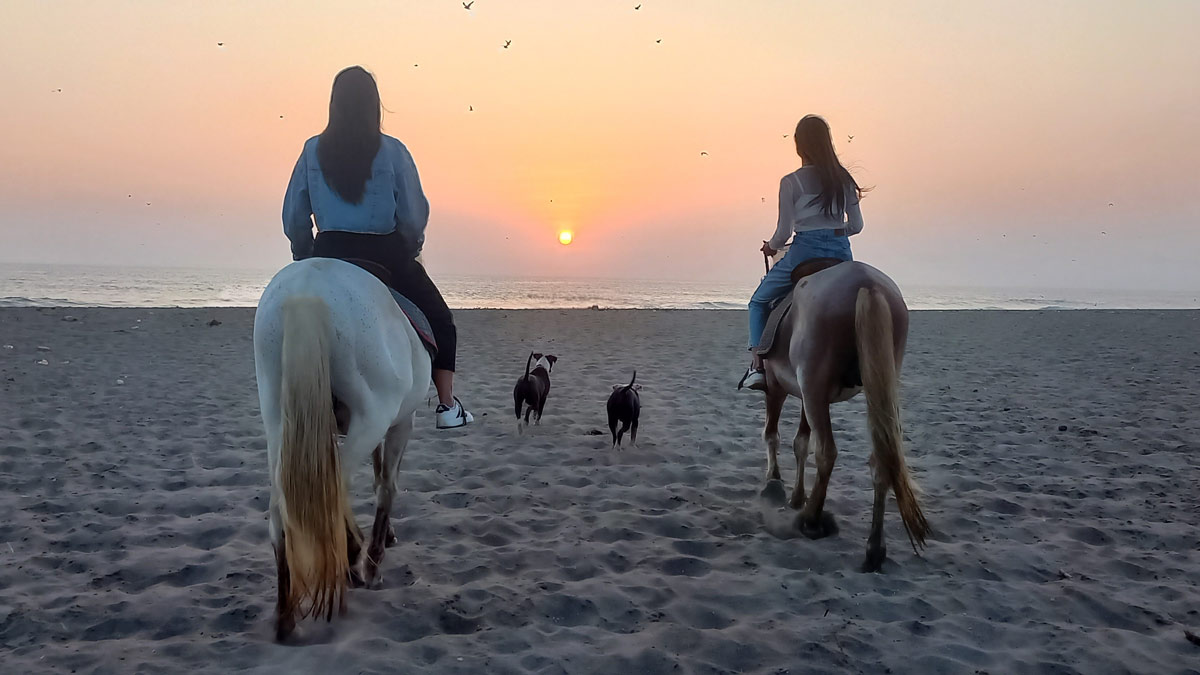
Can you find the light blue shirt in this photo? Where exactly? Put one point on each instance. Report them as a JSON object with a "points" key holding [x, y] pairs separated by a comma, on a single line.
{"points": [[392, 201]]}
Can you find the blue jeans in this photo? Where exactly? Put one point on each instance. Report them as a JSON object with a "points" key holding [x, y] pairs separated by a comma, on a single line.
{"points": [[777, 283]]}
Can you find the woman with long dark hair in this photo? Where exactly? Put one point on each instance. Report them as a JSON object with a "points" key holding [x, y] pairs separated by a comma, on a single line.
{"points": [[361, 188], [819, 204]]}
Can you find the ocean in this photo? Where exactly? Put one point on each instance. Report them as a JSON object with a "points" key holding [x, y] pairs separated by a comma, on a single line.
{"points": [[95, 286]]}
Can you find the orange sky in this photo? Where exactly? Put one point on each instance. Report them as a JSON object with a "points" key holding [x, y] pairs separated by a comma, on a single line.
{"points": [[996, 134]]}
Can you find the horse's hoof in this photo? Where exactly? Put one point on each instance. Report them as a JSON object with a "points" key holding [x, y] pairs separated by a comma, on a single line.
{"points": [[874, 562], [816, 528], [773, 492], [391, 539], [356, 580], [796, 502], [284, 627], [374, 580]]}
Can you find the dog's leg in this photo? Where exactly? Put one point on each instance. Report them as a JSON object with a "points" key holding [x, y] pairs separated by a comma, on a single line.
{"points": [[633, 433], [517, 407]]}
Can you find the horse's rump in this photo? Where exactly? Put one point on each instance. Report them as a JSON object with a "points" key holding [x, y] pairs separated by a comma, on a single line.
{"points": [[416, 317]]}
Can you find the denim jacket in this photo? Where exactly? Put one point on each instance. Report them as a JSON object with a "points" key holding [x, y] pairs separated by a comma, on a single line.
{"points": [[392, 201]]}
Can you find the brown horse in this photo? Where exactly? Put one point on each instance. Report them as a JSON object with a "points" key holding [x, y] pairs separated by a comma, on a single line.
{"points": [[845, 333]]}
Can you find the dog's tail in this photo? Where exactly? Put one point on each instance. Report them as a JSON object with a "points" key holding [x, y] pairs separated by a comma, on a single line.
{"points": [[630, 385], [528, 362]]}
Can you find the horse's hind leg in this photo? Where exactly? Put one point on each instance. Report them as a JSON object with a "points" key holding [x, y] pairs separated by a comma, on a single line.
{"points": [[377, 462], [775, 401], [385, 492], [353, 550], [811, 519], [876, 550], [800, 450], [285, 617], [354, 536]]}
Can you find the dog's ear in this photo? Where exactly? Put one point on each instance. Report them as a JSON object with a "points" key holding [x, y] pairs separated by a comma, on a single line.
{"points": [[537, 356], [553, 360], [618, 387]]}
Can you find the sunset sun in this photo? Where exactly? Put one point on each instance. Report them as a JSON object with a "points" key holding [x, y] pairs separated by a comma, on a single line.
{"points": [[565, 237]]}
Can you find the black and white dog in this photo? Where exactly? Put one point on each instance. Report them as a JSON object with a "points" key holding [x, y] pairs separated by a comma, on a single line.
{"points": [[624, 406], [533, 388]]}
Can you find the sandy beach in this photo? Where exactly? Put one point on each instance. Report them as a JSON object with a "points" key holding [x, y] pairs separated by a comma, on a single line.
{"points": [[1057, 452]]}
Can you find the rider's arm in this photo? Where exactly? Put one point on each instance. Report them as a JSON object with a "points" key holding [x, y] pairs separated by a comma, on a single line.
{"points": [[854, 221], [297, 212], [412, 208], [783, 229]]}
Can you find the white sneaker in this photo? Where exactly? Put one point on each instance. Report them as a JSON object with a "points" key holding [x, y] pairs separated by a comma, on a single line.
{"points": [[753, 379], [452, 417]]}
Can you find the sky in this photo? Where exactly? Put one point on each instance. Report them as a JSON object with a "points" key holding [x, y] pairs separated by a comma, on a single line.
{"points": [[1009, 144]]}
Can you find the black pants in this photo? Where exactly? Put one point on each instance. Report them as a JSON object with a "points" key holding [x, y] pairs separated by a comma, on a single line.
{"points": [[407, 276]]}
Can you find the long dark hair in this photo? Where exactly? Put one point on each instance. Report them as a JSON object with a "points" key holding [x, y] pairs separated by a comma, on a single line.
{"points": [[351, 139], [814, 144]]}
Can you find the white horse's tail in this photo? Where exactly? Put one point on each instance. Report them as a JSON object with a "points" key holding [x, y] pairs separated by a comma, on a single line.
{"points": [[315, 507], [881, 383]]}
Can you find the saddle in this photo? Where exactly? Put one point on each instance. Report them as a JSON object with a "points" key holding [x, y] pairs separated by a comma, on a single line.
{"points": [[812, 266], [415, 316], [853, 376]]}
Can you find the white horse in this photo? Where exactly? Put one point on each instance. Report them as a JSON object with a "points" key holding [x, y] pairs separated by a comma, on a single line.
{"points": [[325, 331]]}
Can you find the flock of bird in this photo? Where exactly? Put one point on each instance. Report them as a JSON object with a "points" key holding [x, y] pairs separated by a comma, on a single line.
{"points": [[470, 108]]}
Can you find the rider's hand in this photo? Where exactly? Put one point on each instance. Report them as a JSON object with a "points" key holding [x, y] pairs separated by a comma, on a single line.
{"points": [[766, 248]]}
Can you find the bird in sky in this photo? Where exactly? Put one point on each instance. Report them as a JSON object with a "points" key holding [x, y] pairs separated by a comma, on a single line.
{"points": [[703, 154], [1110, 203], [220, 44], [507, 43], [470, 108], [467, 5], [849, 138], [56, 91], [658, 41], [638, 7], [785, 135]]}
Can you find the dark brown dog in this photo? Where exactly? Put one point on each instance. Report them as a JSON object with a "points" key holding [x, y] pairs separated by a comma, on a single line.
{"points": [[624, 407], [533, 388]]}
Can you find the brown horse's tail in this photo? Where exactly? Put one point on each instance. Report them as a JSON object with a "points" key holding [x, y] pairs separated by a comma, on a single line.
{"points": [[315, 507], [881, 383]]}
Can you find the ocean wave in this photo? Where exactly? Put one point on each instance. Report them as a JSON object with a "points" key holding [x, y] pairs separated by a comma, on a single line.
{"points": [[19, 301], [50, 286]]}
